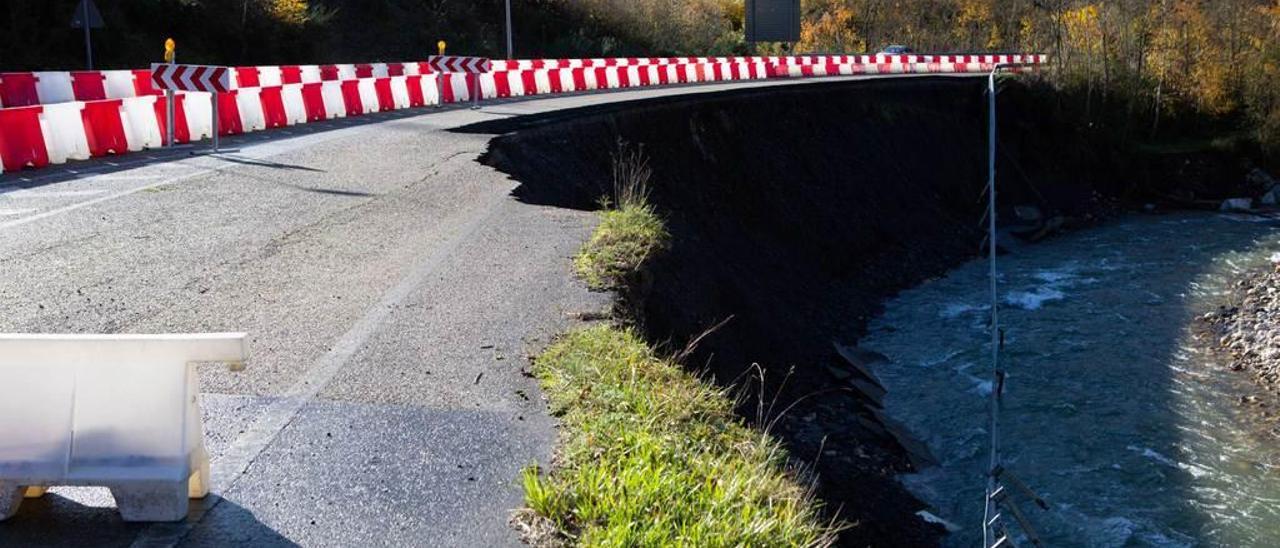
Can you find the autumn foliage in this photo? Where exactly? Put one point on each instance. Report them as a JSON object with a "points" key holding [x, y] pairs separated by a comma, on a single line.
{"points": [[1153, 60]]}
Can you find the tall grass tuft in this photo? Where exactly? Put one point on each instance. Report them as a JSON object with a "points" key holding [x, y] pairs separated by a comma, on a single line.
{"points": [[652, 456], [630, 230]]}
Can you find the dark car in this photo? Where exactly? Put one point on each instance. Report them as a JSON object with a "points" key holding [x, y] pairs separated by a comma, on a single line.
{"points": [[897, 49]]}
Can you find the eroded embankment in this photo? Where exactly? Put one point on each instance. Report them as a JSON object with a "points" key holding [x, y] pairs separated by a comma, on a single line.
{"points": [[796, 211]]}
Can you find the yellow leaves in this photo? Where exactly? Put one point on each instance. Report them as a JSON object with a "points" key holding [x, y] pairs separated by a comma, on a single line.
{"points": [[994, 39], [974, 12], [833, 31], [290, 12], [1083, 28]]}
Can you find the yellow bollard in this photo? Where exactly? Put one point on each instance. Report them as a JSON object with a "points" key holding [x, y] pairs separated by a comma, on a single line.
{"points": [[440, 46]]}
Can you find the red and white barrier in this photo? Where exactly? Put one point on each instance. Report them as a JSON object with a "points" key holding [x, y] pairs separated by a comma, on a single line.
{"points": [[54, 117]]}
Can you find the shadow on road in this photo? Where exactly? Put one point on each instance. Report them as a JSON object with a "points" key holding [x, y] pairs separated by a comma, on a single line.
{"points": [[57, 521]]}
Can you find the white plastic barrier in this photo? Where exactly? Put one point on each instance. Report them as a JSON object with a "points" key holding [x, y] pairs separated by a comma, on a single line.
{"points": [[346, 72], [334, 106], [516, 83], [294, 109], [458, 84], [542, 79], [64, 136], [199, 108], [269, 77], [119, 411], [250, 105], [488, 88], [142, 127], [310, 74], [380, 70], [54, 87], [431, 88], [400, 91], [368, 95], [119, 84]]}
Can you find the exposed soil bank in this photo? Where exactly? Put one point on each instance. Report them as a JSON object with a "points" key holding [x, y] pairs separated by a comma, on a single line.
{"points": [[796, 211]]}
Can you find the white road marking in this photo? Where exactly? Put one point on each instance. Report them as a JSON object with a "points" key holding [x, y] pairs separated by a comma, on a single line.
{"points": [[51, 193], [87, 203]]}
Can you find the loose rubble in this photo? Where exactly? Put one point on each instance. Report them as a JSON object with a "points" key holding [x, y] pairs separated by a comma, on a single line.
{"points": [[1248, 330]]}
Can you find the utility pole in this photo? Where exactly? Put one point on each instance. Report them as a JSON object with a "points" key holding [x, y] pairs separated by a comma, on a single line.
{"points": [[510, 46]]}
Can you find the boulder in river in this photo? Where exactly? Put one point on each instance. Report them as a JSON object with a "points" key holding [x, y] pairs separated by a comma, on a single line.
{"points": [[1237, 204], [861, 360]]}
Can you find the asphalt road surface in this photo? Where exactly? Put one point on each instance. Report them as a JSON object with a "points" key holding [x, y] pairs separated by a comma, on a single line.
{"points": [[392, 289]]}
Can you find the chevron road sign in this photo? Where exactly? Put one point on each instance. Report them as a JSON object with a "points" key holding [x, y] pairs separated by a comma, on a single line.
{"points": [[455, 63], [191, 77], [473, 67], [173, 77]]}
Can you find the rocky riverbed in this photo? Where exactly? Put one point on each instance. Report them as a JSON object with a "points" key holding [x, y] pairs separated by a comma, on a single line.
{"points": [[1244, 332]]}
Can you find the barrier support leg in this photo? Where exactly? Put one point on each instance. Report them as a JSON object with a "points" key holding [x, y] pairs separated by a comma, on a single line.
{"points": [[35, 492], [10, 499], [151, 500], [198, 484]]}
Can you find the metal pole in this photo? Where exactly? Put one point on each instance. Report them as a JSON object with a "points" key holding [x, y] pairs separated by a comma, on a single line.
{"points": [[214, 96], [510, 47], [475, 92], [88, 44], [995, 301], [169, 97]]}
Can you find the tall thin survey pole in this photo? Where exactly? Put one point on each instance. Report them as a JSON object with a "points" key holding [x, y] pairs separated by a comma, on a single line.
{"points": [[994, 533], [990, 510]]}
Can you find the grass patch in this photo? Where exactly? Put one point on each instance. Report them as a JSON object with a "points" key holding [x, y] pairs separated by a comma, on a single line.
{"points": [[625, 238], [652, 456], [630, 230], [649, 454]]}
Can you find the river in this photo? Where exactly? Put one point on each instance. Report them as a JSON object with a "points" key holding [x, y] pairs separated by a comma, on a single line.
{"points": [[1111, 412]]}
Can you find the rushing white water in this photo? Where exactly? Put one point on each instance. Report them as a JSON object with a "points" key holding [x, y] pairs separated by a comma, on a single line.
{"points": [[1111, 411]]}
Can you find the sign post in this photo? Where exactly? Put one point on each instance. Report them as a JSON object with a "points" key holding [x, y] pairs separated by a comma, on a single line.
{"points": [[87, 17], [170, 55], [510, 44], [439, 78], [211, 79]]}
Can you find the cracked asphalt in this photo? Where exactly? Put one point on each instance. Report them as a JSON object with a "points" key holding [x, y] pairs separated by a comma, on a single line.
{"points": [[392, 289]]}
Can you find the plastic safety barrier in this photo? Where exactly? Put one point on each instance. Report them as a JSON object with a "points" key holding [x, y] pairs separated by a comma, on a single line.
{"points": [[22, 141], [119, 411], [111, 112]]}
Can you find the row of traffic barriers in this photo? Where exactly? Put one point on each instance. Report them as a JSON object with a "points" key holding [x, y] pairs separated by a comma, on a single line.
{"points": [[77, 116], [21, 89]]}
